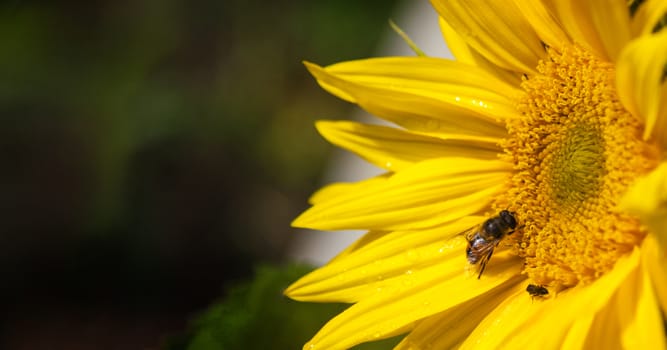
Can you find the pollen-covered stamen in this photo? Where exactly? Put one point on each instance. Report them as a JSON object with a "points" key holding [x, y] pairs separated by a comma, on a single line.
{"points": [[575, 150]]}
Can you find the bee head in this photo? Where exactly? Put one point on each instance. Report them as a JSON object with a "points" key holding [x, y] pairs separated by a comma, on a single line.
{"points": [[508, 218]]}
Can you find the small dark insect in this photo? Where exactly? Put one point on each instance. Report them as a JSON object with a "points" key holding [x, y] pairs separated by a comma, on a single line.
{"points": [[484, 239], [536, 291]]}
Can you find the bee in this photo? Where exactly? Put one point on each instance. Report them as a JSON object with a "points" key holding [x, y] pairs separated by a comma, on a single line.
{"points": [[483, 240], [536, 291]]}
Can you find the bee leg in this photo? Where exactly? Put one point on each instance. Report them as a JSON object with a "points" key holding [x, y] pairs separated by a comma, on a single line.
{"points": [[481, 268], [482, 264]]}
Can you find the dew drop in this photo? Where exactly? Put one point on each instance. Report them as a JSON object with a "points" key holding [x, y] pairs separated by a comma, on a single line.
{"points": [[388, 165], [445, 247]]}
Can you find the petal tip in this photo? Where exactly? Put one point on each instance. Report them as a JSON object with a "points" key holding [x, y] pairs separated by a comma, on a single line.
{"points": [[301, 221], [312, 67]]}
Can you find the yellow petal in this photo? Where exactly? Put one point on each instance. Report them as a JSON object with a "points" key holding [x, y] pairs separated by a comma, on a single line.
{"points": [[496, 31], [331, 191], [601, 330], [383, 261], [520, 323], [611, 20], [631, 319], [424, 291], [395, 149], [465, 54], [447, 330], [427, 194], [654, 261], [577, 20], [457, 45], [429, 76], [648, 15], [363, 241], [503, 320], [582, 329], [639, 311], [543, 22], [641, 85], [647, 198], [601, 26], [423, 93]]}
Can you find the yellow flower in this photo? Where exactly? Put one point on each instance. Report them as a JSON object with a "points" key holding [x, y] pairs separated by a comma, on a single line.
{"points": [[553, 110]]}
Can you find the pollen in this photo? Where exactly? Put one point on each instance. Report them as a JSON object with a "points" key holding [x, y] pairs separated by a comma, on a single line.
{"points": [[575, 151]]}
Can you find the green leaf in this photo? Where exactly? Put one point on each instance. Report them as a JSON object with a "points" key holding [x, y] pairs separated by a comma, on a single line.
{"points": [[256, 315]]}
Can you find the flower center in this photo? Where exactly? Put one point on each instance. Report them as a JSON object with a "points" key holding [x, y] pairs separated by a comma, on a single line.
{"points": [[575, 151]]}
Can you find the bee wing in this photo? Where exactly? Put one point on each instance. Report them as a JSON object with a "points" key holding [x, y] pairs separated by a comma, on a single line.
{"points": [[486, 251], [470, 233]]}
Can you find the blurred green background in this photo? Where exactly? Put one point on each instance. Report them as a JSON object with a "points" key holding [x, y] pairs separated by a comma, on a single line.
{"points": [[153, 154]]}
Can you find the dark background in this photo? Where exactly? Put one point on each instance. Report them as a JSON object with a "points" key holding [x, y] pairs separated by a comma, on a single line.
{"points": [[153, 153]]}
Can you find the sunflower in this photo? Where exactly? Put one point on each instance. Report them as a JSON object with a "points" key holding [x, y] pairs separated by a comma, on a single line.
{"points": [[552, 110]]}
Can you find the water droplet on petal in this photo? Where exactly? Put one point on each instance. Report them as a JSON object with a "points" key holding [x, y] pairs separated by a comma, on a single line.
{"points": [[445, 248]]}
